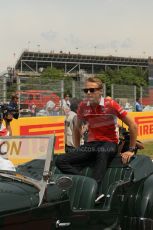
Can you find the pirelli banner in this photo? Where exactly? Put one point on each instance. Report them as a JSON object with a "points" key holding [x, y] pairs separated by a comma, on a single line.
{"points": [[144, 121], [49, 125], [41, 126]]}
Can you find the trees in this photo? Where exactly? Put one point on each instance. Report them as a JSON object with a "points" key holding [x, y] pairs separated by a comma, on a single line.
{"points": [[124, 76], [53, 77], [52, 73]]}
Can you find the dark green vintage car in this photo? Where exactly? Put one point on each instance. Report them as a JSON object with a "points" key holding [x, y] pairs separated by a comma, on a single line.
{"points": [[38, 196]]}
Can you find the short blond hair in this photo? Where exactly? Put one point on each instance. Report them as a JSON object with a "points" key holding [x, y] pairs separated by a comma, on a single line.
{"points": [[95, 80]]}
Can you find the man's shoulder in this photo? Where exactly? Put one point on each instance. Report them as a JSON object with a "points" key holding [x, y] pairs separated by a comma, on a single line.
{"points": [[84, 103], [108, 101], [71, 114]]}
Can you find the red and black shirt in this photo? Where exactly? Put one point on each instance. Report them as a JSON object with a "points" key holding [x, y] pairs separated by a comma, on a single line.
{"points": [[101, 119]]}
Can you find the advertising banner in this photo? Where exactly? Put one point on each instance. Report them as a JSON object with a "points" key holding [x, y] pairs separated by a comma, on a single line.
{"points": [[144, 121], [55, 125], [41, 126]]}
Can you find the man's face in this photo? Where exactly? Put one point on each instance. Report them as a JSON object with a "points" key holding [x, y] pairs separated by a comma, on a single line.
{"points": [[92, 92], [16, 99], [67, 97]]}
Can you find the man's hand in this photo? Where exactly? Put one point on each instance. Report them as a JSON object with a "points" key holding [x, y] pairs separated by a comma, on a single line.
{"points": [[126, 156], [8, 117], [8, 126]]}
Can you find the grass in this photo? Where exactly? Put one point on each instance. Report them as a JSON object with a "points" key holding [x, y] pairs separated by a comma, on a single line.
{"points": [[148, 149]]}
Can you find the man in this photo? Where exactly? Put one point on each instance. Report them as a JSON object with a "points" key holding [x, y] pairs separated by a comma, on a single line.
{"points": [[5, 130], [66, 100], [101, 115], [13, 104], [33, 109], [50, 107], [138, 105], [69, 125], [65, 104]]}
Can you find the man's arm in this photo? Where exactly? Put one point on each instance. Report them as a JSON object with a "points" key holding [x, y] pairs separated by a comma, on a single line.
{"points": [[76, 132], [133, 130], [8, 120], [8, 127]]}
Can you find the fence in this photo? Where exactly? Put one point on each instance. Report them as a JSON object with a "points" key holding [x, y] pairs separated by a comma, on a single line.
{"points": [[39, 91], [146, 96], [124, 94], [57, 86]]}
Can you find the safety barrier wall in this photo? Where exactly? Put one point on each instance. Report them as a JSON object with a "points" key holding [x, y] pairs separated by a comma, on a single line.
{"points": [[144, 121], [41, 126], [55, 124]]}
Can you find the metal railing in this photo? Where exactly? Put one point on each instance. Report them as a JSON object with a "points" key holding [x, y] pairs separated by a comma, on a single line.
{"points": [[125, 95]]}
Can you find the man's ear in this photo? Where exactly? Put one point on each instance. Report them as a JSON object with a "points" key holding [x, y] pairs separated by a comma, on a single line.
{"points": [[102, 92]]}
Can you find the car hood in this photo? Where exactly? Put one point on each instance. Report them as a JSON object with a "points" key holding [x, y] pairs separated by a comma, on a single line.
{"points": [[15, 195]]}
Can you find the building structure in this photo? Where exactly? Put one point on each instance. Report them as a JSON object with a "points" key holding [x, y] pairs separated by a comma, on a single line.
{"points": [[36, 61], [32, 63]]}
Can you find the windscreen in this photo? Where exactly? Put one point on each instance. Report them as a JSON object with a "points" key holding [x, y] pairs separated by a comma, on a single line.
{"points": [[16, 151]]}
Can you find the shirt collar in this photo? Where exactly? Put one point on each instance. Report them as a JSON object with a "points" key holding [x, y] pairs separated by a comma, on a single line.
{"points": [[100, 103]]}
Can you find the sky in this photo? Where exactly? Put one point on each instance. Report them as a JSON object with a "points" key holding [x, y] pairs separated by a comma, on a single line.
{"points": [[94, 27]]}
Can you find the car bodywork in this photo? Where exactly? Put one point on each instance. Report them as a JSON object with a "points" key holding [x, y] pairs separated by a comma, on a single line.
{"points": [[31, 197], [31, 101], [37, 97]]}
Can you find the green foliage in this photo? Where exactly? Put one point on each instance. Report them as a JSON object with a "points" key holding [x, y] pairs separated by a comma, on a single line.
{"points": [[51, 77], [148, 147], [68, 86], [124, 76], [52, 73]]}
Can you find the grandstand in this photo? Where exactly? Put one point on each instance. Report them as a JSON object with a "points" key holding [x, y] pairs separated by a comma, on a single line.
{"points": [[34, 62]]}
